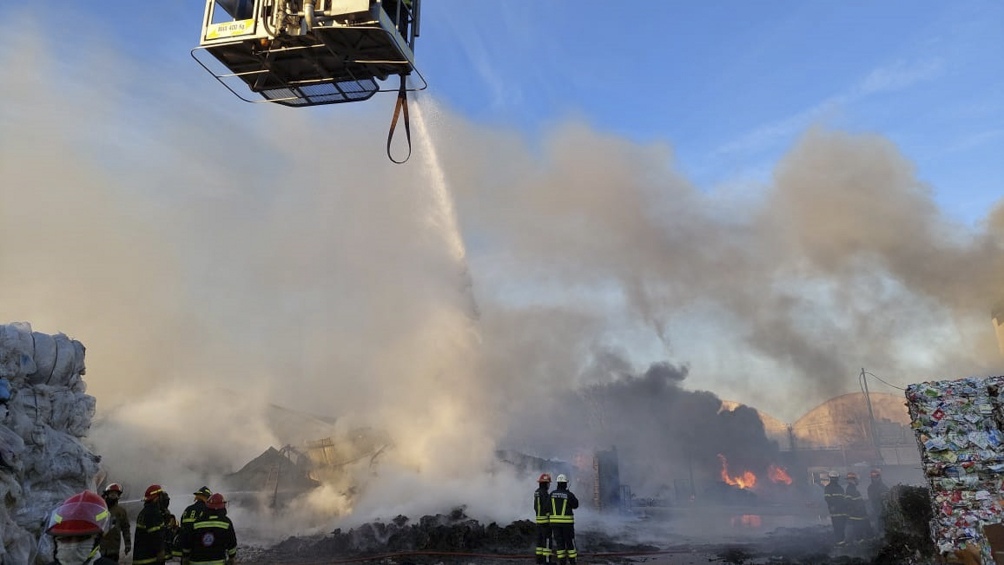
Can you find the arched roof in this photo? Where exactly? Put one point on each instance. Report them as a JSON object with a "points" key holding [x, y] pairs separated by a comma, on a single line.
{"points": [[839, 422]]}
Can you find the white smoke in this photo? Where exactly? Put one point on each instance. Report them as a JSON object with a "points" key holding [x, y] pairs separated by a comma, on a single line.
{"points": [[216, 257]]}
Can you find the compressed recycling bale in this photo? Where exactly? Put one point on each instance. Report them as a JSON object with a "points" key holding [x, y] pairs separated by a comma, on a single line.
{"points": [[45, 357], [68, 411], [16, 359], [79, 367], [30, 406], [79, 420], [11, 450], [66, 360], [43, 412], [957, 425], [18, 544]]}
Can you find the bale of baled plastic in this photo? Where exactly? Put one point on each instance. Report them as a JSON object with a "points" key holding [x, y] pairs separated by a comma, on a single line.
{"points": [[66, 360], [16, 351], [18, 543], [45, 357], [11, 449]]}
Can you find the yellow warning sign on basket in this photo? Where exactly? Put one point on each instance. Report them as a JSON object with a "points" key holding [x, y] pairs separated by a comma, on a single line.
{"points": [[230, 29]]}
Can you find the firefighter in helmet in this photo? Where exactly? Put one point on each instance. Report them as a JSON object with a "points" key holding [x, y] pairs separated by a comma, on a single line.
{"points": [[211, 539], [562, 520], [877, 491], [857, 513], [77, 526], [150, 540], [193, 512], [542, 509], [837, 505], [119, 529]]}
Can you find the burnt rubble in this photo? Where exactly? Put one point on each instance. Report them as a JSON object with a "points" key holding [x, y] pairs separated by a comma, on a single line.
{"points": [[455, 538], [432, 539]]}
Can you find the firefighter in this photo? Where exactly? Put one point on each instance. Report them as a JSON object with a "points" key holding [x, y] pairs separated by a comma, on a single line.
{"points": [[172, 533], [211, 539], [77, 527], [857, 513], [191, 514], [542, 509], [150, 540], [119, 529], [877, 491], [836, 503], [562, 521]]}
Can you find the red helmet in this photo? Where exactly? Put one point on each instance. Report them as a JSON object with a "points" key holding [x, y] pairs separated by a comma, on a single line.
{"points": [[544, 478], [152, 492], [114, 487], [216, 502], [82, 514]]}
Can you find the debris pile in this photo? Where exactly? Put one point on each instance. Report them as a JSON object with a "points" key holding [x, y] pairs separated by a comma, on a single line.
{"points": [[455, 539], [906, 520], [958, 425], [44, 413], [438, 536], [453, 532]]}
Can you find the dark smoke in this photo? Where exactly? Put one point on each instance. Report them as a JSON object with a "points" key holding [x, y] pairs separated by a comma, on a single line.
{"points": [[659, 429], [193, 243]]}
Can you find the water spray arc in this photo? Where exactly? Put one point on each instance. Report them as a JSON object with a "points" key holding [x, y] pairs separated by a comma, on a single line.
{"points": [[443, 216]]}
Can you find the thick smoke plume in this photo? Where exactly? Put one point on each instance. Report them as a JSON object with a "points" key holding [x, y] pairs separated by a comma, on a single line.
{"points": [[661, 430], [217, 257]]}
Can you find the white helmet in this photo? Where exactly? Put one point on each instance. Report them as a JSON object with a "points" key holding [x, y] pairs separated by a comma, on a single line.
{"points": [[834, 475], [561, 478]]}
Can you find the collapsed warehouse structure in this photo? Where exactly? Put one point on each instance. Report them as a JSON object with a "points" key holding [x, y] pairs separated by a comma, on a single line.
{"points": [[280, 475], [852, 432]]}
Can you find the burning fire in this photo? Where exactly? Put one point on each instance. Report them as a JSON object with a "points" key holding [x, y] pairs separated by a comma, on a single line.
{"points": [[746, 480], [747, 521], [778, 474]]}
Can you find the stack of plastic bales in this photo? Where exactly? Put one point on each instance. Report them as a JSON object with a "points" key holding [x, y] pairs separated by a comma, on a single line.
{"points": [[958, 426], [44, 414]]}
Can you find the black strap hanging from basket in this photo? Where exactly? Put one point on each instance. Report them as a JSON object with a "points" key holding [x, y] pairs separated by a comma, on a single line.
{"points": [[400, 108]]}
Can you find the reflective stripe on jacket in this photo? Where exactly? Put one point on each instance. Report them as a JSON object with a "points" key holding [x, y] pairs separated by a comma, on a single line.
{"points": [[149, 538], [542, 505], [563, 502], [211, 540]]}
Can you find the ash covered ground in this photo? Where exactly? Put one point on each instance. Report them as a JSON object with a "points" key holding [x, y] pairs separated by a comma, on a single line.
{"points": [[455, 538]]}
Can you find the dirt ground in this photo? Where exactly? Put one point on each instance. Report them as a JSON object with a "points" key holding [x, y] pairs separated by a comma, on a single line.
{"points": [[442, 542]]}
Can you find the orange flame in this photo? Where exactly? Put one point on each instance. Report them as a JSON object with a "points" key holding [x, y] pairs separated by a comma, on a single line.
{"points": [[746, 521], [778, 474], [746, 480]]}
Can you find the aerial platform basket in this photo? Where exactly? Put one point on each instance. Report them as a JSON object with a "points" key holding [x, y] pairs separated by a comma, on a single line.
{"points": [[310, 52]]}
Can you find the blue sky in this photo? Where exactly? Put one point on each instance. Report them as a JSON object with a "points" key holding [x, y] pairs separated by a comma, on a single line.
{"points": [[730, 84]]}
